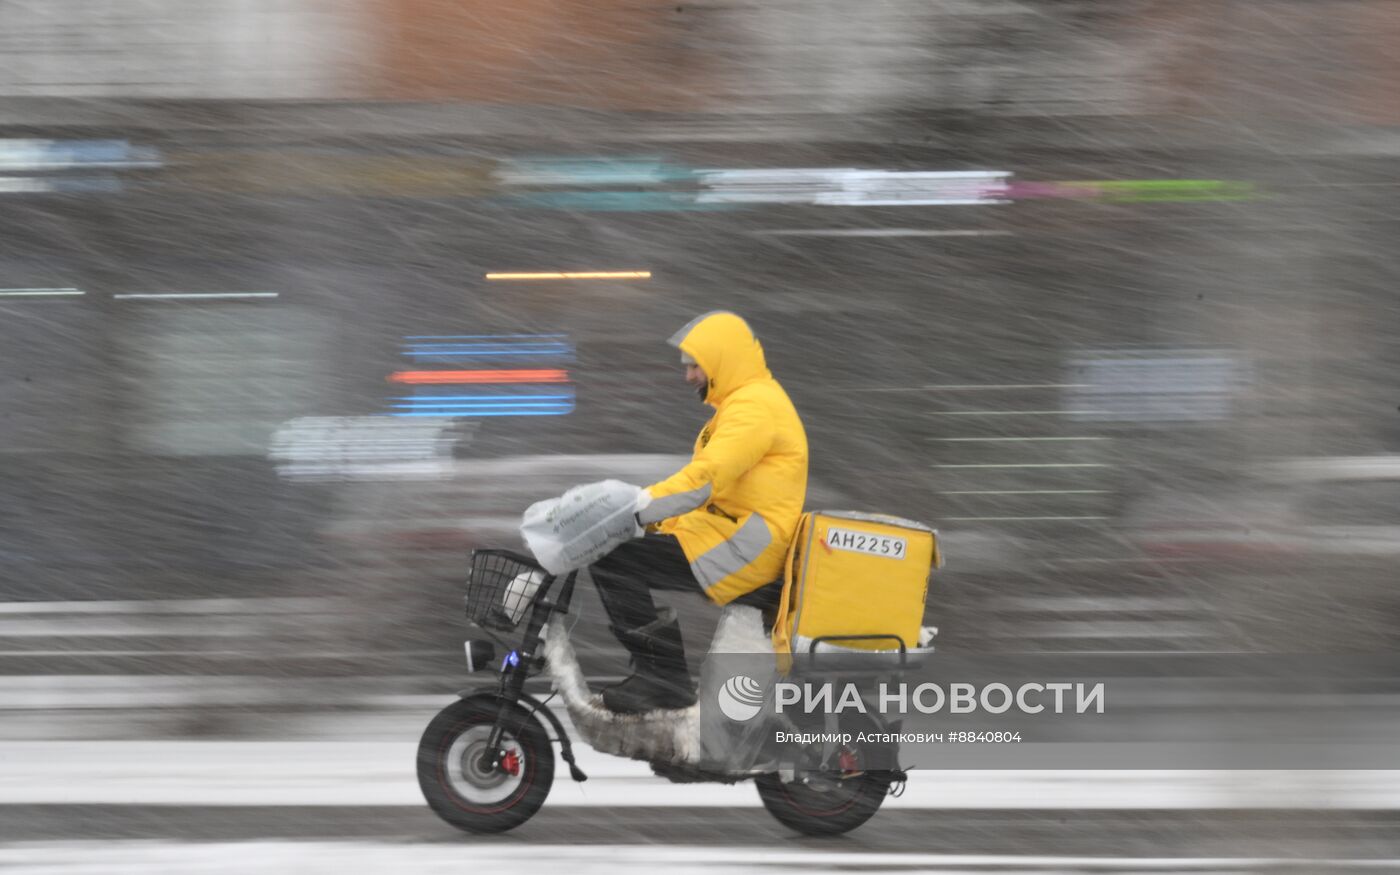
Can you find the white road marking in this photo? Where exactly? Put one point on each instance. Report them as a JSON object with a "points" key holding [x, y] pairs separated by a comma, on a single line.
{"points": [[1060, 604], [1032, 465], [1117, 560], [86, 693], [1013, 412], [1013, 439], [877, 232], [1001, 519], [961, 387], [134, 857], [39, 293], [1024, 492], [299, 773], [126, 626], [1092, 629], [273, 605], [302, 654], [190, 296]]}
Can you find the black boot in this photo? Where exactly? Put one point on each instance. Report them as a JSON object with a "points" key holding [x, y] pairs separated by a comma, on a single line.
{"points": [[660, 680]]}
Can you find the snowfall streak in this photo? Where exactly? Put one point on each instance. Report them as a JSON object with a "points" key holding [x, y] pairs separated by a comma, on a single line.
{"points": [[486, 376]]}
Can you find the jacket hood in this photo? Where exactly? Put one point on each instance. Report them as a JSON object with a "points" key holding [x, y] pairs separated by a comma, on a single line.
{"points": [[723, 345]]}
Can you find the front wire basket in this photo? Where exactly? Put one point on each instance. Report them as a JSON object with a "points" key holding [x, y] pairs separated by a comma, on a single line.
{"points": [[501, 586]]}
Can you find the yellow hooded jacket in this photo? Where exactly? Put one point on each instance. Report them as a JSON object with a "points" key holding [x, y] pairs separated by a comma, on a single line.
{"points": [[735, 507]]}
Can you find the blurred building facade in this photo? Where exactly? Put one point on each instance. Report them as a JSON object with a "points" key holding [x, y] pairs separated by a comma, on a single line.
{"points": [[326, 147], [1315, 61]]}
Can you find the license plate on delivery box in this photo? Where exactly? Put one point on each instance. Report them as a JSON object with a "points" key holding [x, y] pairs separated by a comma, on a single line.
{"points": [[888, 546]]}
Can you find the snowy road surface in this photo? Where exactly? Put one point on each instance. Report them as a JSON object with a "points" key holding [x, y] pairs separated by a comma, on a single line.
{"points": [[103, 806], [381, 773], [321, 858]]}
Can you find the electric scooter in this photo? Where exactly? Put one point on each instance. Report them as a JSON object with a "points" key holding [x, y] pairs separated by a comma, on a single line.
{"points": [[486, 762]]}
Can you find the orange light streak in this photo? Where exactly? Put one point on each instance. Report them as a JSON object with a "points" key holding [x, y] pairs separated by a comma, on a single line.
{"points": [[582, 275]]}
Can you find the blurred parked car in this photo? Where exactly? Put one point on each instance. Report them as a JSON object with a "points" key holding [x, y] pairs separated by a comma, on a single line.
{"points": [[1299, 555], [1331, 509]]}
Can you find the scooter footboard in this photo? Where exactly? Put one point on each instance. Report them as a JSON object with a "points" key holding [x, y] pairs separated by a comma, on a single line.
{"points": [[671, 736]]}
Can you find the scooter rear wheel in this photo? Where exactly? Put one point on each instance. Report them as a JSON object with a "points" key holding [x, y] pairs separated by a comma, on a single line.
{"points": [[839, 807], [833, 800], [476, 792]]}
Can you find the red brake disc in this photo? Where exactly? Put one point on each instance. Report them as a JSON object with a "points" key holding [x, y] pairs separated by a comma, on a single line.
{"points": [[510, 763]]}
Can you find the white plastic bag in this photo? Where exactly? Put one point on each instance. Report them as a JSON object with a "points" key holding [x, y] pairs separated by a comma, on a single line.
{"points": [[520, 593], [581, 526]]}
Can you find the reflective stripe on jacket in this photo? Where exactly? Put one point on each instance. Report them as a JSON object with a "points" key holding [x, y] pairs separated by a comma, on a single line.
{"points": [[735, 506]]}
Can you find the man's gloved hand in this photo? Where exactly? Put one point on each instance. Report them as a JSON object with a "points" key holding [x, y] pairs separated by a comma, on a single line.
{"points": [[643, 500]]}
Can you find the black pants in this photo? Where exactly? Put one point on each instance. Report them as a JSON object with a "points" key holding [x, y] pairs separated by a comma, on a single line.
{"points": [[625, 578]]}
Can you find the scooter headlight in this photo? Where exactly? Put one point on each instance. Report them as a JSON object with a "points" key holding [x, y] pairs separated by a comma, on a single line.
{"points": [[481, 656]]}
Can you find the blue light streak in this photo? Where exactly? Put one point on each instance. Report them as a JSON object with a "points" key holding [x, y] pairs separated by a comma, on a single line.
{"points": [[517, 348], [441, 414], [524, 402], [556, 352], [481, 336], [494, 398], [476, 406]]}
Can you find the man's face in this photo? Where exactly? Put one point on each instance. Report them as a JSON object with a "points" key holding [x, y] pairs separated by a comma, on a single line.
{"points": [[696, 377]]}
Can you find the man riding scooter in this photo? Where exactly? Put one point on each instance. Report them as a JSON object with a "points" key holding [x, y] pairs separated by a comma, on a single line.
{"points": [[721, 525]]}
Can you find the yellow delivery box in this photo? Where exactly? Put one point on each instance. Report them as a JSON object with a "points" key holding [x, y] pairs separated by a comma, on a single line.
{"points": [[855, 581]]}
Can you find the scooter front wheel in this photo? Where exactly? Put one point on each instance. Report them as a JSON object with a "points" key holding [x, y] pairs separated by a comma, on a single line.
{"points": [[473, 787]]}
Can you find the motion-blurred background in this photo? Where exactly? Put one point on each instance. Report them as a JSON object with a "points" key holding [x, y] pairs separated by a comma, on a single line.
{"points": [[302, 300]]}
